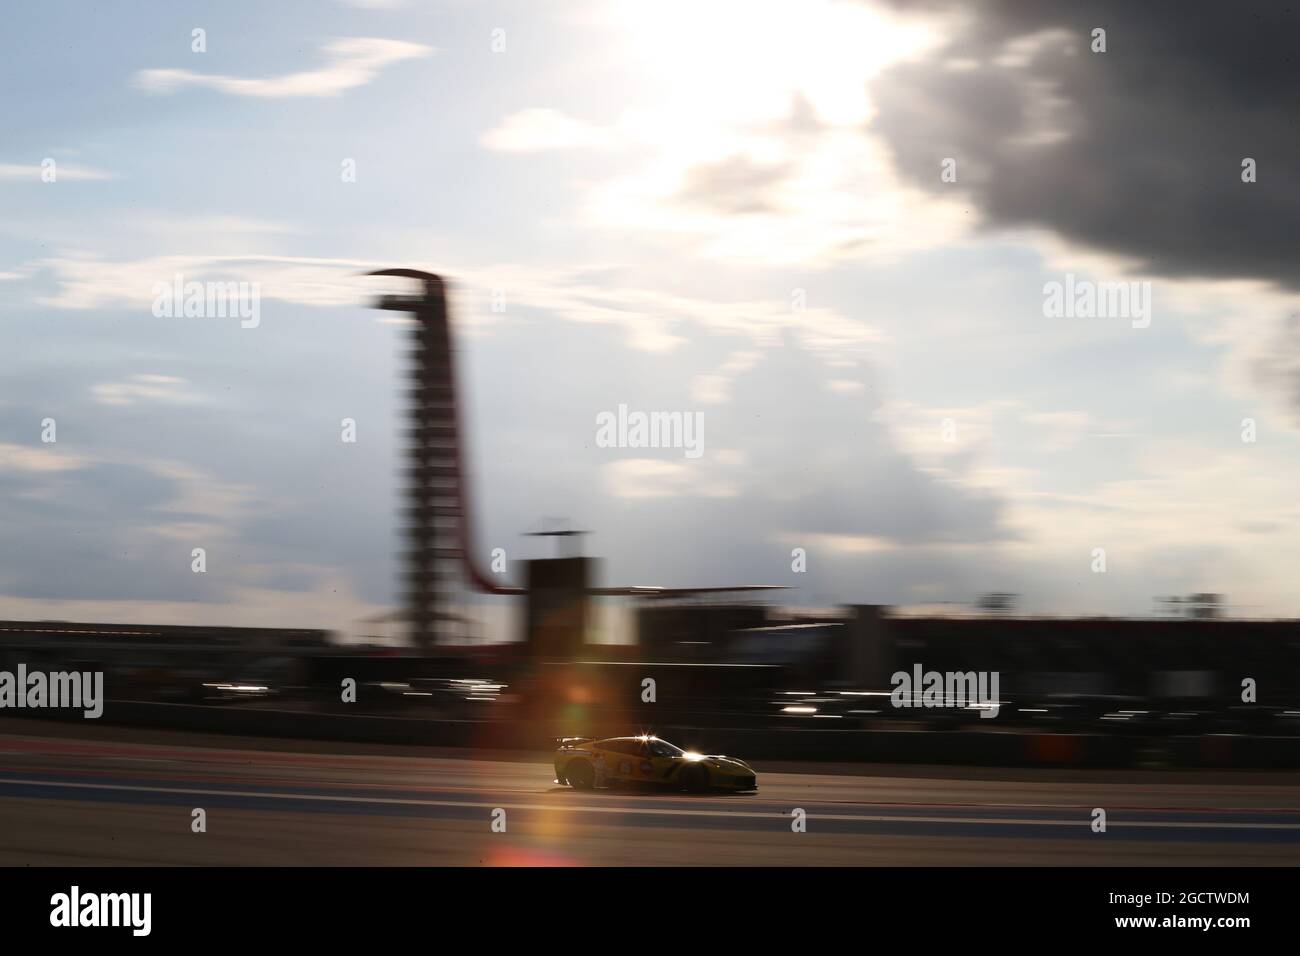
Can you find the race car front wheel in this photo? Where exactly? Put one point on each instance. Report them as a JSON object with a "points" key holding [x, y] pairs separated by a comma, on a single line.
{"points": [[695, 779], [582, 776]]}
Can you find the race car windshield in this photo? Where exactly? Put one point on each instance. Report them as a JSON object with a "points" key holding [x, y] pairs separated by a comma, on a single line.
{"points": [[662, 748]]}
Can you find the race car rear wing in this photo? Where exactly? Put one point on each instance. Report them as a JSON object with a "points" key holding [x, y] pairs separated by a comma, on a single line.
{"points": [[570, 741]]}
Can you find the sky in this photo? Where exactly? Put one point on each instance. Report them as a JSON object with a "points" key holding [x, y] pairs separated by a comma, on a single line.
{"points": [[825, 230]]}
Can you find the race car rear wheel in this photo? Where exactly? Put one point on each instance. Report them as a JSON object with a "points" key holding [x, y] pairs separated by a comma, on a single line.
{"points": [[582, 776], [695, 779]]}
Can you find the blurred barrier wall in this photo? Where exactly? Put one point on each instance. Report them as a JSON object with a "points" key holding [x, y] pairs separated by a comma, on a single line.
{"points": [[889, 746]]}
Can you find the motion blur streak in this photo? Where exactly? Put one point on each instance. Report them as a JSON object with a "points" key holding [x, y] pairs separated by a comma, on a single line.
{"points": [[125, 798]]}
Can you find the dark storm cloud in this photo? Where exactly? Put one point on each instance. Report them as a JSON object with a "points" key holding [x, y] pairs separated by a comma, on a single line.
{"points": [[1155, 128]]}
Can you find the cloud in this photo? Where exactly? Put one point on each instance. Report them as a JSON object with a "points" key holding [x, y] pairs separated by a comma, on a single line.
{"points": [[789, 190], [755, 151], [331, 603], [351, 62], [110, 524], [588, 294], [845, 386], [1061, 429], [1135, 153], [840, 544], [736, 185], [650, 314], [142, 388], [176, 228], [1275, 363], [33, 172], [89, 282], [40, 460], [536, 130], [715, 388], [657, 478]]}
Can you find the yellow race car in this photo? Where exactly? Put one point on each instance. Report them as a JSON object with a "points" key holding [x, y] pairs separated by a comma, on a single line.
{"points": [[585, 763]]}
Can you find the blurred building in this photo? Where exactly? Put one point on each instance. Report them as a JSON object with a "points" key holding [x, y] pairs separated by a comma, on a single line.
{"points": [[1198, 656], [150, 661]]}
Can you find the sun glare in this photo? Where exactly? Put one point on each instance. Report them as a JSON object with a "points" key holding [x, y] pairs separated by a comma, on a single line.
{"points": [[749, 128], [743, 61]]}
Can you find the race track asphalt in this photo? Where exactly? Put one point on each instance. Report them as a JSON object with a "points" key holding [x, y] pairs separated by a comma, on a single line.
{"points": [[76, 795]]}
